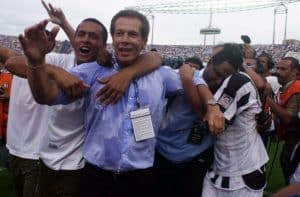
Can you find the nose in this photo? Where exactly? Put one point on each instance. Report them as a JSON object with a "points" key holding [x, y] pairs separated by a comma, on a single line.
{"points": [[125, 38], [276, 72]]}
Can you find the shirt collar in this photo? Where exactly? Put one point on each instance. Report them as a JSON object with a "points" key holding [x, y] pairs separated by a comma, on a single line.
{"points": [[285, 87]]}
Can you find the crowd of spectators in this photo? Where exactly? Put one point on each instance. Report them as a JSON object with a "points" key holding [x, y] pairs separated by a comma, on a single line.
{"points": [[172, 52]]}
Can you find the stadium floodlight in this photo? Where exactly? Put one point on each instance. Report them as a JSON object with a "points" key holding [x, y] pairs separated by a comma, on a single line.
{"points": [[208, 6]]}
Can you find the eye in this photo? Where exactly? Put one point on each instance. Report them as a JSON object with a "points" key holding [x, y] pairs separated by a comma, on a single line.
{"points": [[94, 36], [118, 33], [80, 33], [133, 34]]}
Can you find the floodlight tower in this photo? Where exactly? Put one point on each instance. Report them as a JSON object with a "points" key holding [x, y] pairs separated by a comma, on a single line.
{"points": [[281, 9], [210, 30]]}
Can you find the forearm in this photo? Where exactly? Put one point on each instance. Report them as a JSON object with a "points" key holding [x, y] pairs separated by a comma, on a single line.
{"points": [[43, 89], [6, 53], [146, 63], [69, 30], [258, 80], [17, 66], [191, 93]]}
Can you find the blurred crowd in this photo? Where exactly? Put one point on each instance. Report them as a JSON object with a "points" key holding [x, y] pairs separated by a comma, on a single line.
{"points": [[179, 52]]}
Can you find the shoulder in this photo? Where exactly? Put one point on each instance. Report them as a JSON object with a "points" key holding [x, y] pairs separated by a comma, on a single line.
{"points": [[61, 60], [235, 82]]}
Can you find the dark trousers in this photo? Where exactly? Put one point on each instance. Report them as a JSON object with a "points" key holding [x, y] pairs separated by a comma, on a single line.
{"points": [[25, 176], [184, 179], [58, 183], [96, 182], [285, 157]]}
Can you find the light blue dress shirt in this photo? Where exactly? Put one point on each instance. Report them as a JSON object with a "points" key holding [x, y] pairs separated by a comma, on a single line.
{"points": [[110, 142], [177, 124]]}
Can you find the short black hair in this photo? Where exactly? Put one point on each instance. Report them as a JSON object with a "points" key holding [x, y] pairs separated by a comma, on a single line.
{"points": [[230, 53], [269, 57], [132, 14], [195, 60], [104, 33], [295, 62]]}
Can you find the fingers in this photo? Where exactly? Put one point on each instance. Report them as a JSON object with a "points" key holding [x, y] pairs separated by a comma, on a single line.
{"points": [[105, 96], [53, 33], [108, 94], [52, 9], [111, 98], [76, 90], [46, 7], [22, 41], [104, 89], [216, 120]]}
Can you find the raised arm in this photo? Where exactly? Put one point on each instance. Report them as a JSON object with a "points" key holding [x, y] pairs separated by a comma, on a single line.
{"points": [[199, 96], [36, 44], [259, 82], [116, 85], [58, 17]]}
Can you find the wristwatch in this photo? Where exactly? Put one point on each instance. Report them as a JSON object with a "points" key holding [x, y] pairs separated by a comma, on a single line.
{"points": [[212, 101]]}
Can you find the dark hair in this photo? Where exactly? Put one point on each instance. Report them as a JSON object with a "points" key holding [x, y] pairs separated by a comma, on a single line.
{"points": [[194, 60], [103, 31], [269, 57], [132, 14], [230, 53], [295, 62]]}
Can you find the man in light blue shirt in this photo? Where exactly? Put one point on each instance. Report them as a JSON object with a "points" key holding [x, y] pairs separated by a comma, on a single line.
{"points": [[184, 149]]}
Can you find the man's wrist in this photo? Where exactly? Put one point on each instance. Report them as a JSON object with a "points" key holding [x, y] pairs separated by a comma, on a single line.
{"points": [[212, 102], [35, 64]]}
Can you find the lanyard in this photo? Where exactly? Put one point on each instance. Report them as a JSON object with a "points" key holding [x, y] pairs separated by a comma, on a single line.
{"points": [[136, 90]]}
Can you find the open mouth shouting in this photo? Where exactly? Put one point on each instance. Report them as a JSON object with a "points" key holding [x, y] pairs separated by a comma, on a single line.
{"points": [[84, 50]]}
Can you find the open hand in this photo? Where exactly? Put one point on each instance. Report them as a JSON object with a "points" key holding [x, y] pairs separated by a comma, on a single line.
{"points": [[36, 43], [114, 88]]}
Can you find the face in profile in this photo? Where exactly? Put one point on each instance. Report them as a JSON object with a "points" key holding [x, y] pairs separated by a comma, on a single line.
{"points": [[127, 40]]}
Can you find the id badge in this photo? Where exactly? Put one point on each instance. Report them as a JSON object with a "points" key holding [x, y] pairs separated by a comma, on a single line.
{"points": [[142, 124]]}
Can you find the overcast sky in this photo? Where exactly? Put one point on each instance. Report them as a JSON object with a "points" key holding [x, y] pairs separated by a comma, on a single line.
{"points": [[15, 15]]}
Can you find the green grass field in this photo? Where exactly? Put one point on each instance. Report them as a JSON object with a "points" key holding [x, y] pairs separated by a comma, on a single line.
{"points": [[274, 175], [275, 178]]}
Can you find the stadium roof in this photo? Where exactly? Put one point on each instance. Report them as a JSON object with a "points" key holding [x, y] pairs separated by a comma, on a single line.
{"points": [[208, 6]]}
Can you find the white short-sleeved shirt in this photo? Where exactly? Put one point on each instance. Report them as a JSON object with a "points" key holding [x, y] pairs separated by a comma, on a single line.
{"points": [[27, 120]]}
